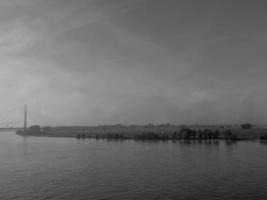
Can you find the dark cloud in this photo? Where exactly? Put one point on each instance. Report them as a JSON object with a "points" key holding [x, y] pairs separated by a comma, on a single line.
{"points": [[136, 61]]}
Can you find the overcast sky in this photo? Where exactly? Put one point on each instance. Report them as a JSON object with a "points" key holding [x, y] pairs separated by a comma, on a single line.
{"points": [[91, 62]]}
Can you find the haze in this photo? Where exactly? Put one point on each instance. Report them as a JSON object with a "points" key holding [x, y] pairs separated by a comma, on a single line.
{"points": [[91, 62]]}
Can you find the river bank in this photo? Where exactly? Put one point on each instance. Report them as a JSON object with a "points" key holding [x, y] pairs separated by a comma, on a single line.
{"points": [[149, 132]]}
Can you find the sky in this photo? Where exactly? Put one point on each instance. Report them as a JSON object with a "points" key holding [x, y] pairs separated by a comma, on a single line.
{"points": [[93, 62]]}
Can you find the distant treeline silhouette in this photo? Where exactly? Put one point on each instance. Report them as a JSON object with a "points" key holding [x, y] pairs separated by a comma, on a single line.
{"points": [[183, 134]]}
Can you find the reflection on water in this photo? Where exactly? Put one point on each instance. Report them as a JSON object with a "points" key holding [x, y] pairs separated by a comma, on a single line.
{"points": [[207, 142], [66, 168]]}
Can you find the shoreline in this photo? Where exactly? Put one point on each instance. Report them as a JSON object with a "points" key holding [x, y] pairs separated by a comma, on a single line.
{"points": [[182, 134], [150, 140]]}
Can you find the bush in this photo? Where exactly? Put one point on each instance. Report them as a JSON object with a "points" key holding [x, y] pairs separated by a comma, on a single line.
{"points": [[246, 126], [263, 137]]}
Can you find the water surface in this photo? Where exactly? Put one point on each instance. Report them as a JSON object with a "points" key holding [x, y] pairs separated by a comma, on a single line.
{"points": [[66, 168]]}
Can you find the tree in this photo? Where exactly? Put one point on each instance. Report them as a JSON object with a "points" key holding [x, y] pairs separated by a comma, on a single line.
{"points": [[246, 126]]}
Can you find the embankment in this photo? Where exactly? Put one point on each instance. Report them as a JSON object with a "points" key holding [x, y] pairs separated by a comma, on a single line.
{"points": [[150, 132]]}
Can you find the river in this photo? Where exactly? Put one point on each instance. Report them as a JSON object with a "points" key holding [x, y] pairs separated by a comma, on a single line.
{"points": [[67, 168]]}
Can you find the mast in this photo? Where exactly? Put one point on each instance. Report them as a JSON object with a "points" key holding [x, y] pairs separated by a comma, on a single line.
{"points": [[25, 118]]}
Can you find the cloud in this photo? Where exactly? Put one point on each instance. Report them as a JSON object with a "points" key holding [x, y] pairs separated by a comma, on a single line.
{"points": [[16, 37], [104, 62]]}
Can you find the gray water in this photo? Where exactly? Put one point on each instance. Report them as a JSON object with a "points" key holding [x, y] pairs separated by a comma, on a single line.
{"points": [[66, 168]]}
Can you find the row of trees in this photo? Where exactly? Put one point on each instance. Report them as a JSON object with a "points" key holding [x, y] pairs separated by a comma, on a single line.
{"points": [[185, 133], [201, 134]]}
